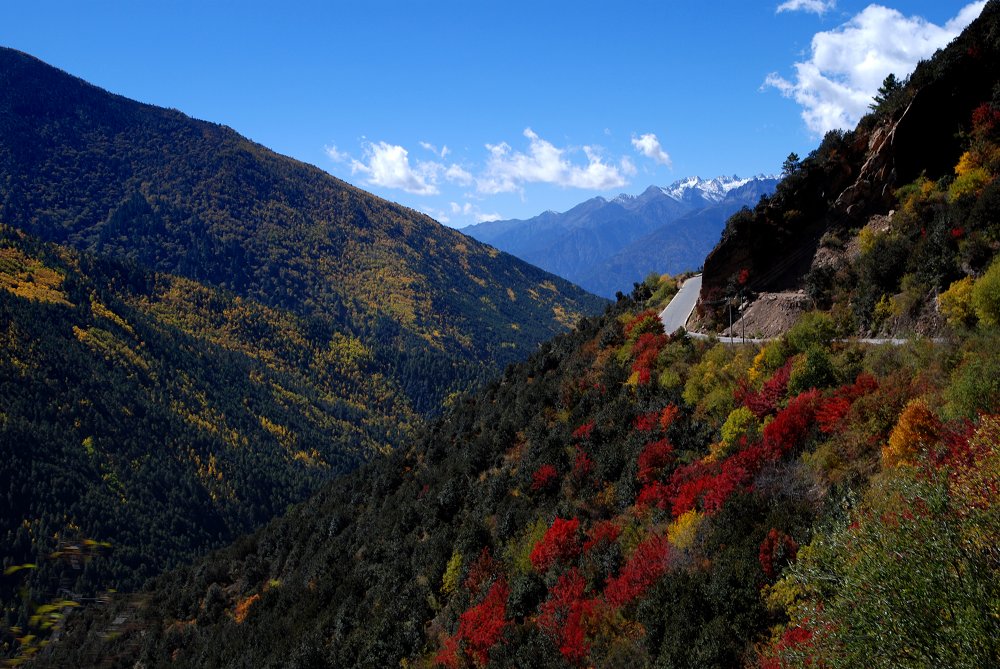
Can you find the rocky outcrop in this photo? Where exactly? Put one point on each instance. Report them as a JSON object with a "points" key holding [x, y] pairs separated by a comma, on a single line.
{"points": [[873, 188]]}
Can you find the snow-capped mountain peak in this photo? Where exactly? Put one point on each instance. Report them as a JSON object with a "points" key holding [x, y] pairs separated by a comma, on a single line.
{"points": [[713, 190], [691, 189]]}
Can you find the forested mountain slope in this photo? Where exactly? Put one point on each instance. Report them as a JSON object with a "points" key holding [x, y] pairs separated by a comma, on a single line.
{"points": [[197, 332], [161, 415], [106, 174], [626, 498]]}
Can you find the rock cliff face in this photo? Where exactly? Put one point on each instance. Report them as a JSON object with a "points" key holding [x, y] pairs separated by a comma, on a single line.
{"points": [[854, 175]]}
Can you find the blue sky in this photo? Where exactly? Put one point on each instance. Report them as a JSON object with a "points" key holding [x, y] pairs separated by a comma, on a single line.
{"points": [[470, 110]]}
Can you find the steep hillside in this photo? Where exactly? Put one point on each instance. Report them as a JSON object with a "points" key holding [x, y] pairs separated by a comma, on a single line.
{"points": [[627, 499], [887, 212], [109, 175], [607, 245], [163, 416], [197, 332]]}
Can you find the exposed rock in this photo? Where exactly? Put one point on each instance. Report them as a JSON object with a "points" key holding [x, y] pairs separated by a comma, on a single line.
{"points": [[770, 315], [876, 179], [878, 224]]}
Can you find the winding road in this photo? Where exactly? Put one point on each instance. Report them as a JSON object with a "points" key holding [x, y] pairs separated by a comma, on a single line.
{"points": [[676, 314]]}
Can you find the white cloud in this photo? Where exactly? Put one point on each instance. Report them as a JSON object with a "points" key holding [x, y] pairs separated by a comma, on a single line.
{"points": [[965, 16], [848, 64], [815, 6], [458, 175], [470, 210], [649, 146], [336, 155], [441, 153], [389, 166], [507, 170]]}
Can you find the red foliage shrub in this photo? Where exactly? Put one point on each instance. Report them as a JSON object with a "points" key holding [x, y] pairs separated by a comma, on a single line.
{"points": [[583, 464], [544, 478], [713, 483], [985, 120], [562, 616], [560, 543], [688, 483], [481, 572], [448, 655], [668, 416], [864, 384], [959, 451], [479, 629], [832, 410], [482, 626], [644, 322], [654, 457], [584, 431], [737, 472], [603, 532], [647, 422], [644, 568], [765, 401], [646, 350], [654, 494], [797, 639], [777, 549], [791, 425]]}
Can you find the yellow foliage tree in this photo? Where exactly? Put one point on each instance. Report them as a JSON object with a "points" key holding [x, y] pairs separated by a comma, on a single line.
{"points": [[956, 303], [683, 531], [916, 429], [452, 574], [986, 296]]}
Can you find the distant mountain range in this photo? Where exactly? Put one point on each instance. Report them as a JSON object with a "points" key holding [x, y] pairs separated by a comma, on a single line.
{"points": [[607, 245]]}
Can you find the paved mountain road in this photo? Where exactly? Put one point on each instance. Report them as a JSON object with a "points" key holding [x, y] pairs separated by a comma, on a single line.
{"points": [[676, 314]]}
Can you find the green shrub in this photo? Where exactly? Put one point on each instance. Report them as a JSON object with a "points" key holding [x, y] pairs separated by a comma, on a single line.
{"points": [[986, 296], [812, 329]]}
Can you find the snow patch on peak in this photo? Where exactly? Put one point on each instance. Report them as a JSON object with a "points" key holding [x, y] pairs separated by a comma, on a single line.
{"points": [[692, 188], [623, 198], [710, 189]]}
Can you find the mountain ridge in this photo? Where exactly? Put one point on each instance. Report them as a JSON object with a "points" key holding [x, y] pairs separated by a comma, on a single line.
{"points": [[221, 209], [605, 245]]}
